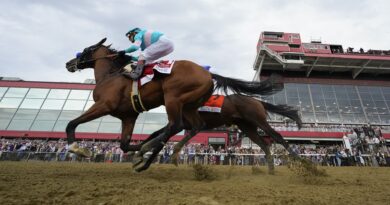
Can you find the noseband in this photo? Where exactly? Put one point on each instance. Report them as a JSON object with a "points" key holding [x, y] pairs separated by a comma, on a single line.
{"points": [[75, 65]]}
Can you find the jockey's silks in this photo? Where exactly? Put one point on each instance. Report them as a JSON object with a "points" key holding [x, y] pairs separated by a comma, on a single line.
{"points": [[144, 39]]}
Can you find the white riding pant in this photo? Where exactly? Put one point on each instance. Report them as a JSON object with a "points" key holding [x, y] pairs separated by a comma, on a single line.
{"points": [[159, 49]]}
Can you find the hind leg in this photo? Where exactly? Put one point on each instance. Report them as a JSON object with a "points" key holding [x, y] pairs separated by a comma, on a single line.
{"points": [[251, 132], [278, 138], [175, 125], [194, 120]]}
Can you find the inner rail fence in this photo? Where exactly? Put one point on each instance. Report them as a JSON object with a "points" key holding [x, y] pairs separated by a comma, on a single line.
{"points": [[201, 158]]}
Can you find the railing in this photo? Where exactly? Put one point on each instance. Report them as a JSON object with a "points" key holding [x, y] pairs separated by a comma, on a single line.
{"points": [[201, 158]]}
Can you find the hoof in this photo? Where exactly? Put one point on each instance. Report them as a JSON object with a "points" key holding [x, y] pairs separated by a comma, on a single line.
{"points": [[84, 152], [137, 162], [73, 148], [140, 169]]}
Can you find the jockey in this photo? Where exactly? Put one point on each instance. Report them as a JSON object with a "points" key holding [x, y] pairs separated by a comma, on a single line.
{"points": [[153, 45]]}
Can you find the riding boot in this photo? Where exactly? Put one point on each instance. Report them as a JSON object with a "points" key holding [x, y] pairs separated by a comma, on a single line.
{"points": [[136, 73]]}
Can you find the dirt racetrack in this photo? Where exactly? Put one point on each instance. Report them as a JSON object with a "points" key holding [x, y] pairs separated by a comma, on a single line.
{"points": [[103, 183]]}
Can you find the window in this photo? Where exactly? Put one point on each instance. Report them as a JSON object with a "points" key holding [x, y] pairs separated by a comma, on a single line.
{"points": [[24, 114], [10, 102], [31, 103], [2, 91], [42, 125], [60, 125], [4, 123], [109, 118], [88, 127], [157, 118], [58, 94], [74, 105], [150, 128], [69, 115], [20, 124], [37, 93], [53, 104], [48, 115], [79, 94], [109, 127], [16, 92]]}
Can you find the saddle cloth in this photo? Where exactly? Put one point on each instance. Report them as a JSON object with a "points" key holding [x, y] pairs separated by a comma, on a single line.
{"points": [[163, 67], [213, 104]]}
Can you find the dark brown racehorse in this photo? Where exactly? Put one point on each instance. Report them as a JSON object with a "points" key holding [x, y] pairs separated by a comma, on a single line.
{"points": [[249, 114], [182, 92]]}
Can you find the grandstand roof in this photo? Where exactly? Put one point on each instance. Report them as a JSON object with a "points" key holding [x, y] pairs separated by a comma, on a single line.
{"points": [[279, 51]]}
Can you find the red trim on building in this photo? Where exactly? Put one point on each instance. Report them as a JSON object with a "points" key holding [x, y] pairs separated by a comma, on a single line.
{"points": [[52, 85], [306, 134], [349, 56]]}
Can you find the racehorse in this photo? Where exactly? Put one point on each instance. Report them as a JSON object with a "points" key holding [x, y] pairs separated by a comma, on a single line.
{"points": [[248, 114], [182, 92]]}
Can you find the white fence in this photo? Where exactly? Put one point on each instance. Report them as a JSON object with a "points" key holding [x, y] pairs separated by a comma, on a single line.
{"points": [[202, 158]]}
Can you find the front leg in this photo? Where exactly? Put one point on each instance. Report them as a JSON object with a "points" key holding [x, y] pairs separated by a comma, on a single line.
{"points": [[97, 110], [156, 151], [138, 159], [127, 130]]}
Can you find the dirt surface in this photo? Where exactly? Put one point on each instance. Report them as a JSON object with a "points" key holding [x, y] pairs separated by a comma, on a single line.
{"points": [[103, 183]]}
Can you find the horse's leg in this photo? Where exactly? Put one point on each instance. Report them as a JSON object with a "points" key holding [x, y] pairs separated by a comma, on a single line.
{"points": [[156, 150], [277, 137], [152, 136], [175, 125], [127, 130], [139, 157], [197, 124], [179, 146], [161, 140], [97, 110], [251, 132]]}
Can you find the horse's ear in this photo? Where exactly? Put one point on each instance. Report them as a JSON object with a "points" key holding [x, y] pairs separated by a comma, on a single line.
{"points": [[101, 42]]}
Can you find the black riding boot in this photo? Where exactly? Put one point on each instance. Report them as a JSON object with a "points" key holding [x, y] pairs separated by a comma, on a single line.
{"points": [[136, 72]]}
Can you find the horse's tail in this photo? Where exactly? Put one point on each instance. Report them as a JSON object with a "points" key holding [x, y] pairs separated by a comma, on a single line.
{"points": [[267, 87], [284, 110]]}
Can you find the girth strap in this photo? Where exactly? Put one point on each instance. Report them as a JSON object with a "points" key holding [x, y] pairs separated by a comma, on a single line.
{"points": [[135, 98]]}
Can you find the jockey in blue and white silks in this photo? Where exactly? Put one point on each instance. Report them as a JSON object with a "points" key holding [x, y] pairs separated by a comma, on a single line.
{"points": [[153, 45]]}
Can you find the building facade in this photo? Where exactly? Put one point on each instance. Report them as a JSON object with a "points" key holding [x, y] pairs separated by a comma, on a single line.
{"points": [[329, 85], [43, 110]]}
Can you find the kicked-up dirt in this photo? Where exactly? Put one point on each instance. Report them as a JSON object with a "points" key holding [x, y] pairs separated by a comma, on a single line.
{"points": [[104, 183]]}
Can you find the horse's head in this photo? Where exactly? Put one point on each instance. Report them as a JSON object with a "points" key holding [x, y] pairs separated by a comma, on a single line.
{"points": [[87, 58]]}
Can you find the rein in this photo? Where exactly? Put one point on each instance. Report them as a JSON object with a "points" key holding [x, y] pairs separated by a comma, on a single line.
{"points": [[94, 59]]}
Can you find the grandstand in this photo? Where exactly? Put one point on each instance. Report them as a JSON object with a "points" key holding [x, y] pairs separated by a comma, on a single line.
{"points": [[335, 89]]}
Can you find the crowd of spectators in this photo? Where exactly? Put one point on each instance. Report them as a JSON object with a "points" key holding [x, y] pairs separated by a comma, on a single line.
{"points": [[323, 127], [366, 147]]}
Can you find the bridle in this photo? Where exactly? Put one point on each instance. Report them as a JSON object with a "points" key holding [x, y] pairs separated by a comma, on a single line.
{"points": [[75, 66]]}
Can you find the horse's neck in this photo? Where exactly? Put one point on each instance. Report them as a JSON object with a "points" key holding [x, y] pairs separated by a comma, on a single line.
{"points": [[102, 70]]}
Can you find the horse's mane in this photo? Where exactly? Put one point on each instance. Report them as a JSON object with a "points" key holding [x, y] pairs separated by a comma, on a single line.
{"points": [[119, 61]]}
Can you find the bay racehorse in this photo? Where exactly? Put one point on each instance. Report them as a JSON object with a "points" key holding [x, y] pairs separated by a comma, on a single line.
{"points": [[182, 92], [249, 114]]}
